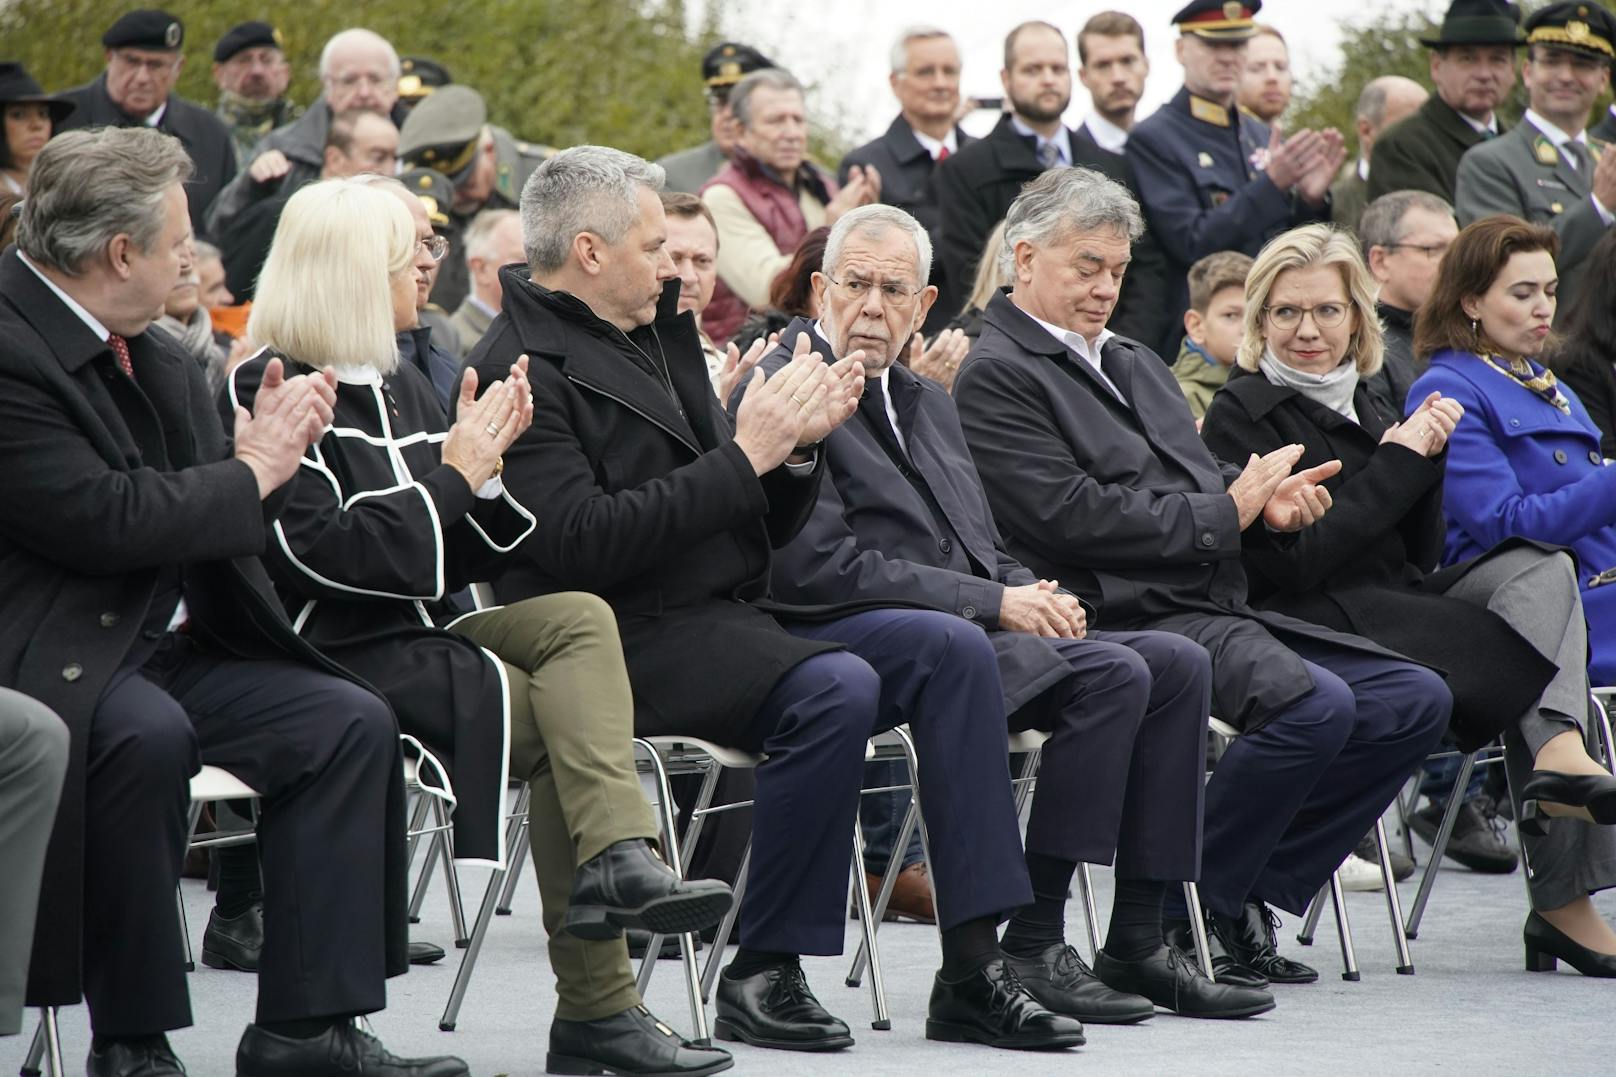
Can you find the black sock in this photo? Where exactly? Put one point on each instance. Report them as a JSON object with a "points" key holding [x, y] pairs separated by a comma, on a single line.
{"points": [[239, 885], [305, 1029], [1174, 906], [969, 946], [751, 962], [100, 1043], [1036, 927], [1136, 919]]}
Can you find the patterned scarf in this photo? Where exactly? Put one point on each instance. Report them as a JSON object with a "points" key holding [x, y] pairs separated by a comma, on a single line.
{"points": [[1534, 377], [249, 121]]}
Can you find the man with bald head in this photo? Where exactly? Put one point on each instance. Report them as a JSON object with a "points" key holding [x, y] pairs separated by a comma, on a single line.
{"points": [[1383, 102]]}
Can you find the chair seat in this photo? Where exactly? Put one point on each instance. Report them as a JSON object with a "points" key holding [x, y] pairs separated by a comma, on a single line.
{"points": [[1028, 740], [216, 783], [728, 757], [1222, 728]]}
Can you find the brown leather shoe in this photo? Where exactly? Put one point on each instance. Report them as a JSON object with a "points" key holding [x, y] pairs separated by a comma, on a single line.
{"points": [[911, 895]]}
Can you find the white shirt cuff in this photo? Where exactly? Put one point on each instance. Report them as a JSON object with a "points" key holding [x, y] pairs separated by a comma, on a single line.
{"points": [[805, 468], [1604, 214], [492, 490]]}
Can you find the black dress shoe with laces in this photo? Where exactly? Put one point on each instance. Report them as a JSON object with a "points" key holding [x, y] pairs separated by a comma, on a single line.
{"points": [[1175, 982], [1225, 969], [234, 942], [632, 1042], [775, 1008], [340, 1051], [628, 886], [1062, 982], [1252, 940], [147, 1057], [992, 1006]]}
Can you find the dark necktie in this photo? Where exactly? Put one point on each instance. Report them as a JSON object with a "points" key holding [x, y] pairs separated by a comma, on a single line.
{"points": [[120, 349], [1584, 160], [874, 406], [1049, 155]]}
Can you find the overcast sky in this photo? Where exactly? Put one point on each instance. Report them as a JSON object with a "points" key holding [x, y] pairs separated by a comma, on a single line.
{"points": [[841, 46]]}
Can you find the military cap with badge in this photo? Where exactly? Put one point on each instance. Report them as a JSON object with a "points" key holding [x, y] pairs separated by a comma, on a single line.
{"points": [[444, 131], [1219, 20], [1587, 28], [435, 191], [727, 63], [145, 28], [418, 78]]}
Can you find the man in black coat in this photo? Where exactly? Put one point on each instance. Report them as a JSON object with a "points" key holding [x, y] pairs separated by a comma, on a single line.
{"points": [[657, 506], [1096, 475], [977, 185], [143, 63], [138, 611], [902, 519], [926, 80], [1403, 236]]}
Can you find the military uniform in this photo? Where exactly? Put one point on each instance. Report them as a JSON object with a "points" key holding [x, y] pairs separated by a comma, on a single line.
{"points": [[1349, 195], [247, 120]]}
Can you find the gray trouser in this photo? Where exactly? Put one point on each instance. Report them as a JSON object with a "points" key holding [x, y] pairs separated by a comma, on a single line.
{"points": [[1536, 592], [33, 759]]}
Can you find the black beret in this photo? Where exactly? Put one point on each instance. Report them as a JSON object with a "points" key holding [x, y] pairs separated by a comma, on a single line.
{"points": [[146, 28], [248, 35]]}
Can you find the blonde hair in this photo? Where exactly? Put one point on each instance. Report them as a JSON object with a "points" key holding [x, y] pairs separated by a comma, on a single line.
{"points": [[324, 297], [992, 271], [1303, 248]]}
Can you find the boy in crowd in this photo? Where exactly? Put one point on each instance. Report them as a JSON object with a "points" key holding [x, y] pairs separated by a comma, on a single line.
{"points": [[1212, 326]]}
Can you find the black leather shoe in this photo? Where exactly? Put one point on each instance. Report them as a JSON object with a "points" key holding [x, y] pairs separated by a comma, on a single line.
{"points": [[638, 940], [993, 1006], [150, 1057], [631, 1042], [425, 953], [234, 942], [1252, 940], [1062, 982], [1225, 969], [1596, 792], [1546, 945], [341, 1051], [1171, 980], [774, 1008], [628, 885]]}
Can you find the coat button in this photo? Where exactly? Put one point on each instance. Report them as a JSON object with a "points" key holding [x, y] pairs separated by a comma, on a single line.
{"points": [[1595, 459], [968, 612], [1559, 456], [1208, 539], [1514, 422], [72, 671], [946, 546], [109, 619]]}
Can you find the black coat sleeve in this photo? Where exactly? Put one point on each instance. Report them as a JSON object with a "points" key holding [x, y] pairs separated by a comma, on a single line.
{"points": [[967, 223]]}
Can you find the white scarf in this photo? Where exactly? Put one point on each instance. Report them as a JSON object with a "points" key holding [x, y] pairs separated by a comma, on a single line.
{"points": [[1334, 390]]}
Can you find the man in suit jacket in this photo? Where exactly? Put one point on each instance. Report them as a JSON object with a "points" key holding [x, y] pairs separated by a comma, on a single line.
{"points": [[1472, 69], [1383, 102], [137, 610], [1547, 170], [1096, 474], [902, 519], [493, 240], [977, 185], [926, 81]]}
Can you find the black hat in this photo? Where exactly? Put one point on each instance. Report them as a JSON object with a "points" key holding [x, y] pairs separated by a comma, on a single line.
{"points": [[145, 29], [444, 131], [1219, 20], [248, 35], [1584, 27], [1478, 22], [434, 190], [419, 76], [17, 85], [729, 62]]}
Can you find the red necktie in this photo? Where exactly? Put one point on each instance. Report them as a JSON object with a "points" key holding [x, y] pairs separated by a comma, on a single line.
{"points": [[120, 348], [942, 153]]}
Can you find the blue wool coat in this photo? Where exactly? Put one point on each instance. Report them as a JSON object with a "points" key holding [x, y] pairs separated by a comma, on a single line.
{"points": [[1520, 467]]}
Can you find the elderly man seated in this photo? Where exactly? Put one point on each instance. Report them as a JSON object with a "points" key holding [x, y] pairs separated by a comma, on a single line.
{"points": [[653, 502], [901, 518], [1095, 473]]}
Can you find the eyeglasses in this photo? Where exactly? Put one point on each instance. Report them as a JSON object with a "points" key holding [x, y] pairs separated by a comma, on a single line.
{"points": [[436, 246], [892, 295], [354, 78], [1325, 315], [1430, 250]]}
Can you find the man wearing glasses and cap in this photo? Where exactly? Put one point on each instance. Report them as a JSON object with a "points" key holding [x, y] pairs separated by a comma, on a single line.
{"points": [[724, 65], [449, 132]]}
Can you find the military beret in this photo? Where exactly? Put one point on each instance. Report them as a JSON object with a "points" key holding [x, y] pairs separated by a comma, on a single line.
{"points": [[419, 76], [1585, 27], [1219, 20], [1478, 22], [729, 61], [247, 35], [434, 190], [444, 130], [145, 29]]}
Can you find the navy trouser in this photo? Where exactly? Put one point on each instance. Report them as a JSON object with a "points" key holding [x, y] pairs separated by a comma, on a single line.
{"points": [[938, 674]]}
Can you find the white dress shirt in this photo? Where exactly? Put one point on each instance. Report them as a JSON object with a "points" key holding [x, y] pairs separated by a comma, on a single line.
{"points": [[935, 146], [1107, 135], [1062, 140], [1089, 353]]}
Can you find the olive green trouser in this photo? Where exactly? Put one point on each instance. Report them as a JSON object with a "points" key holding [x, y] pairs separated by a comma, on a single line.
{"points": [[572, 723]]}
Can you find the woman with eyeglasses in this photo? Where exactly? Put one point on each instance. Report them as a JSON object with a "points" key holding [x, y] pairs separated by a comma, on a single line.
{"points": [[1505, 625]]}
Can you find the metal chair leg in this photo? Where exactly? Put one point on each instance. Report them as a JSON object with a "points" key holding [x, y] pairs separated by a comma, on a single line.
{"points": [[687, 940], [518, 862], [1394, 907], [424, 879], [715, 959], [451, 874], [867, 921], [889, 880], [1085, 885], [1024, 782], [1349, 957], [1203, 950], [485, 913], [45, 1053], [1443, 833], [417, 824], [1310, 923], [36, 1052], [1405, 808], [193, 814]]}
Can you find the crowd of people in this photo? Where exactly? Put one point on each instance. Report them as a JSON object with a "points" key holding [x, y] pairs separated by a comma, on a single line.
{"points": [[1096, 431]]}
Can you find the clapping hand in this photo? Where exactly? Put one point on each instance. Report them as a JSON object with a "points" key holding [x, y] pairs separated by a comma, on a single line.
{"points": [[289, 415], [1299, 501], [1428, 429], [940, 360], [773, 410], [737, 366], [488, 425]]}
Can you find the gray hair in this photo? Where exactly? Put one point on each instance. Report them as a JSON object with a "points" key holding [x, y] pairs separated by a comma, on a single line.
{"points": [[582, 189], [773, 78], [1382, 222], [206, 252], [1066, 200], [354, 36], [900, 47], [480, 236], [873, 220], [87, 187]]}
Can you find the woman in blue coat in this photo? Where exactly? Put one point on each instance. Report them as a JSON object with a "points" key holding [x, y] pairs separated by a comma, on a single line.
{"points": [[1525, 463]]}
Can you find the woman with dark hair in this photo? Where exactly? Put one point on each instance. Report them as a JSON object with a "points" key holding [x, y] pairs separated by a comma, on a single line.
{"points": [[1525, 464], [28, 118], [1585, 355]]}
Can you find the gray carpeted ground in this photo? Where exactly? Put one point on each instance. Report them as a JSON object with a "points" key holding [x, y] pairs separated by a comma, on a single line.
{"points": [[1469, 1009]]}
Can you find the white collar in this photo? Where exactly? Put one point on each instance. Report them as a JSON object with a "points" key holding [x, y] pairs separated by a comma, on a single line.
{"points": [[90, 320], [156, 117], [934, 146], [1488, 128], [1062, 140], [476, 301], [1076, 341], [358, 374], [1553, 133], [1107, 135], [1363, 169]]}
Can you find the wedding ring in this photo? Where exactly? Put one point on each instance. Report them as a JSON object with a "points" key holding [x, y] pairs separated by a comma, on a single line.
{"points": [[800, 401], [493, 429]]}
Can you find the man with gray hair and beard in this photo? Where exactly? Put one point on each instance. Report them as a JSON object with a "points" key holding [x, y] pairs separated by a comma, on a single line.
{"points": [[902, 519], [1096, 475]]}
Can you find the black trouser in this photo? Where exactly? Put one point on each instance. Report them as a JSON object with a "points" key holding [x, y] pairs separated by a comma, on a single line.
{"points": [[318, 748]]}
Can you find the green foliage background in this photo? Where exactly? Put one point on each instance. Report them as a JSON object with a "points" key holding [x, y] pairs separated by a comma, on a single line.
{"points": [[620, 72]]}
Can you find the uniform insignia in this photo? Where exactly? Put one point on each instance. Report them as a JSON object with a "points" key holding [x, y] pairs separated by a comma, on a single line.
{"points": [[1204, 159], [1577, 31], [276, 35], [1546, 153], [1553, 185], [729, 70], [1582, 11], [409, 85], [1555, 207], [1233, 9], [172, 35], [425, 183], [1208, 111]]}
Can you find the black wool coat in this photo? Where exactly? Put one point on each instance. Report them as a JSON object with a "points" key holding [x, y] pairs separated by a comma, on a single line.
{"points": [[104, 486], [1367, 566], [1592, 377], [646, 500], [1123, 502]]}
